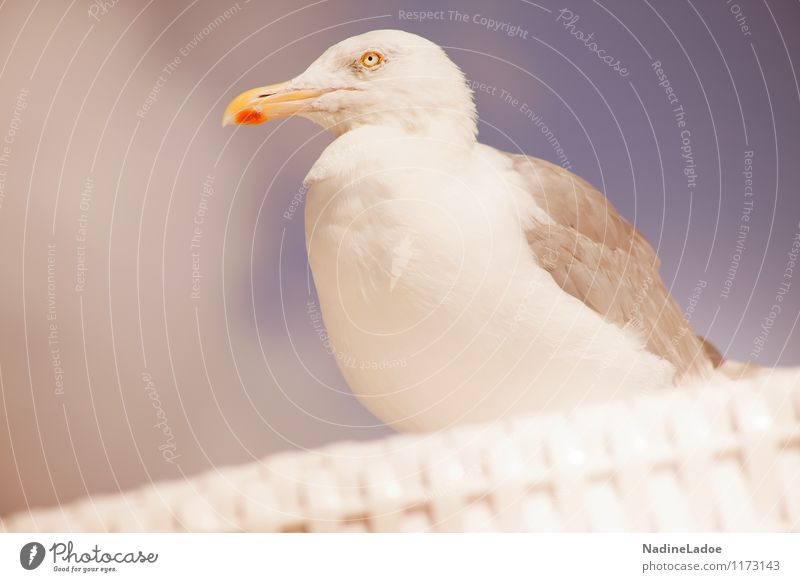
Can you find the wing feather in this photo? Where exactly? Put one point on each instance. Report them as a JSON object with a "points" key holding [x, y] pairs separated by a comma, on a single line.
{"points": [[597, 256]]}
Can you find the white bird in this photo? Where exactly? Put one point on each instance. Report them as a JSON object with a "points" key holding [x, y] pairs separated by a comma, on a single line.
{"points": [[458, 282]]}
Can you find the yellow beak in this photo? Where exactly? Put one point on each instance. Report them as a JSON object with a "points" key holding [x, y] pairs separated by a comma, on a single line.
{"points": [[270, 102]]}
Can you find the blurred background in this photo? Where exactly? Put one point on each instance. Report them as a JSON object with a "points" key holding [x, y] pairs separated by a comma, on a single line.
{"points": [[157, 316]]}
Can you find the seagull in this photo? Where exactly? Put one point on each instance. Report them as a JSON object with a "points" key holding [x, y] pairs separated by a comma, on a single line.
{"points": [[457, 282]]}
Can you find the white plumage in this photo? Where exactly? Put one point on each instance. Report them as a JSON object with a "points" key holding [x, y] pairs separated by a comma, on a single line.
{"points": [[458, 282]]}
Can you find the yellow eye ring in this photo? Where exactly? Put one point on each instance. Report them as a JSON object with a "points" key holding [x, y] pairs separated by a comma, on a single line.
{"points": [[371, 59]]}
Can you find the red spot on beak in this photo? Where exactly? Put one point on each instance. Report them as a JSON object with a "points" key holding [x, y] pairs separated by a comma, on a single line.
{"points": [[249, 117]]}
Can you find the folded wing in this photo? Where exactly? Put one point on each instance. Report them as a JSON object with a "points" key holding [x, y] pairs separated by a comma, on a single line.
{"points": [[598, 257]]}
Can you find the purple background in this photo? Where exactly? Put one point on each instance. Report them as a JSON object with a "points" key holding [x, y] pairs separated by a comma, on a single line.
{"points": [[241, 372]]}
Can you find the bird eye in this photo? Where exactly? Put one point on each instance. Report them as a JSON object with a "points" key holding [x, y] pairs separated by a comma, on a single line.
{"points": [[371, 59]]}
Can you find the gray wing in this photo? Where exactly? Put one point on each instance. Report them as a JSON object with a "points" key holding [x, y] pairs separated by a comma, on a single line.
{"points": [[598, 257]]}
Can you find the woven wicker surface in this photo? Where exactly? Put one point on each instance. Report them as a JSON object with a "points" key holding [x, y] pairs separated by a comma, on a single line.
{"points": [[721, 457]]}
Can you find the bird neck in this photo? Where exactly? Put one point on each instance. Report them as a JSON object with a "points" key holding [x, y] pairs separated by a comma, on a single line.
{"points": [[446, 125]]}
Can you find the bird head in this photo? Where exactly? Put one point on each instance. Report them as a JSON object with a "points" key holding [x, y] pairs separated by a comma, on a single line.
{"points": [[384, 78]]}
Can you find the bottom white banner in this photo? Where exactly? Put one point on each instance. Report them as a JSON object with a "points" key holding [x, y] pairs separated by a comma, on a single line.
{"points": [[389, 557]]}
